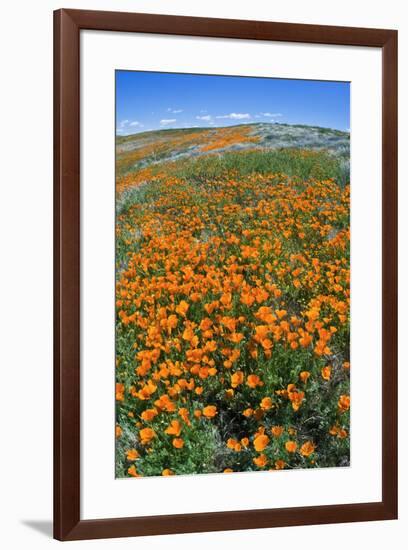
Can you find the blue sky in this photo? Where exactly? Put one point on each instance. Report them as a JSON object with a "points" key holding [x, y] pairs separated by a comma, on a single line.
{"points": [[149, 101]]}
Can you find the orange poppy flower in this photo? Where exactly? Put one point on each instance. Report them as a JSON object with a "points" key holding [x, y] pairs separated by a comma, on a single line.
{"points": [[237, 378], [210, 411], [182, 308], [231, 443], [291, 446], [253, 381], [172, 321], [174, 428], [120, 388], [205, 324], [261, 461], [304, 376], [326, 373], [266, 403], [146, 435], [131, 455], [277, 431], [178, 443], [296, 398], [261, 442], [183, 412], [280, 464], [149, 414], [307, 449], [344, 403], [133, 472]]}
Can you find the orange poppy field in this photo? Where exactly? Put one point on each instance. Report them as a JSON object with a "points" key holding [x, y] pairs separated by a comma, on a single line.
{"points": [[232, 300]]}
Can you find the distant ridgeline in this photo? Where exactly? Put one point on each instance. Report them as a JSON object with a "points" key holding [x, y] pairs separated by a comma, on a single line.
{"points": [[246, 147]]}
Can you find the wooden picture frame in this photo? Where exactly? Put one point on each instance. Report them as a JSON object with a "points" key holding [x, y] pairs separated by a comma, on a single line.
{"points": [[67, 482]]}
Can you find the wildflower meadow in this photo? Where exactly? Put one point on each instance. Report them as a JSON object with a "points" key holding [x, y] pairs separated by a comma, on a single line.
{"points": [[232, 300]]}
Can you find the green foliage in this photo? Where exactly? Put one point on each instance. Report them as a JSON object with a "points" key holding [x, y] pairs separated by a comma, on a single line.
{"points": [[291, 162]]}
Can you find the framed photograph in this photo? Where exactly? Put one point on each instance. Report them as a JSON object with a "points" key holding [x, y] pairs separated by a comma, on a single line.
{"points": [[225, 260]]}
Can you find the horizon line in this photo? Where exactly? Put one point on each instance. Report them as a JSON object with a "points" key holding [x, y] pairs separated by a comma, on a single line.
{"points": [[230, 126]]}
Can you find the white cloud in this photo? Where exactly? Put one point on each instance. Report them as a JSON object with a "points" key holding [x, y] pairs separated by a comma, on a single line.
{"points": [[165, 121], [123, 132], [235, 116], [126, 126], [204, 117], [175, 111], [271, 115]]}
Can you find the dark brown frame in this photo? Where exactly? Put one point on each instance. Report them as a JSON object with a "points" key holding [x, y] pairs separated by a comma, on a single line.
{"points": [[67, 26]]}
